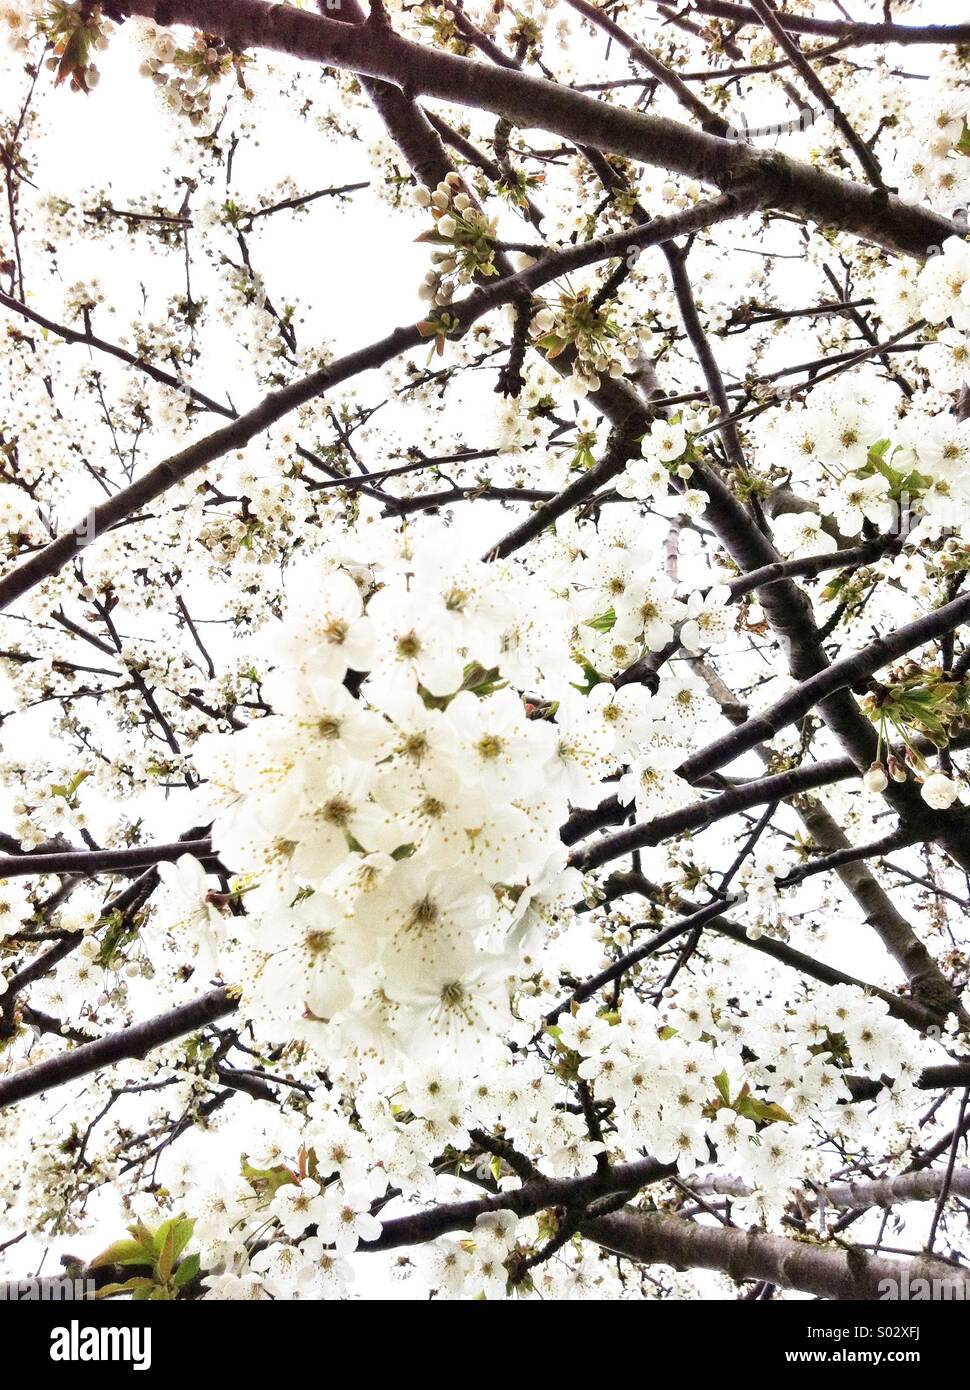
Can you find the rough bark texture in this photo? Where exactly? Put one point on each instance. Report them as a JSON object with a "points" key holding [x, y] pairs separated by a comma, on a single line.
{"points": [[789, 1264]]}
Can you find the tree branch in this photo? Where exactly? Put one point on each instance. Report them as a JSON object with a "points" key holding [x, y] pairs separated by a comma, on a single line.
{"points": [[136, 1041], [841, 674], [526, 101], [827, 1272]]}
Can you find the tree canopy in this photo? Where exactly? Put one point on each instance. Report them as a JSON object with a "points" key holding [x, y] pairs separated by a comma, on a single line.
{"points": [[485, 648]]}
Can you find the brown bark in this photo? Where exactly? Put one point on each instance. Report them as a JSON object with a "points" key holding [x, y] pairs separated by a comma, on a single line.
{"points": [[373, 50], [813, 1268]]}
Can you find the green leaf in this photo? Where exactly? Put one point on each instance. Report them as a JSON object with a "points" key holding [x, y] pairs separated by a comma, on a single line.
{"points": [[166, 1260], [146, 1239], [123, 1252], [187, 1271], [119, 931], [131, 1286], [481, 681], [592, 678], [835, 586], [183, 1233], [723, 1087], [160, 1235], [963, 144], [763, 1112], [69, 791], [604, 622], [266, 1180], [552, 345], [73, 60]]}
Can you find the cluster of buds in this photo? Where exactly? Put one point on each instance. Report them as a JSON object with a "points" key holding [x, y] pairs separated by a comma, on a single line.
{"points": [[469, 235], [189, 75], [601, 346], [75, 32], [953, 557], [917, 704], [937, 789], [439, 325], [926, 702], [876, 780], [516, 185], [441, 26], [83, 297]]}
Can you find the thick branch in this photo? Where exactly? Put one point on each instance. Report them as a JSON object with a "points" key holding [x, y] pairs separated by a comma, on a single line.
{"points": [[525, 1201], [136, 1041], [848, 671], [826, 1271], [101, 861], [376, 51], [700, 813], [923, 1186], [856, 32]]}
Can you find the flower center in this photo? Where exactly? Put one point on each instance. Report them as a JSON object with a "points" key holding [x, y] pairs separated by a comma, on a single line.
{"points": [[337, 811], [319, 944]]}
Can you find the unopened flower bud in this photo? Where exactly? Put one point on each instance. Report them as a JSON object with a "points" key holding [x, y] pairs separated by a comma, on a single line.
{"points": [[875, 780]]}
